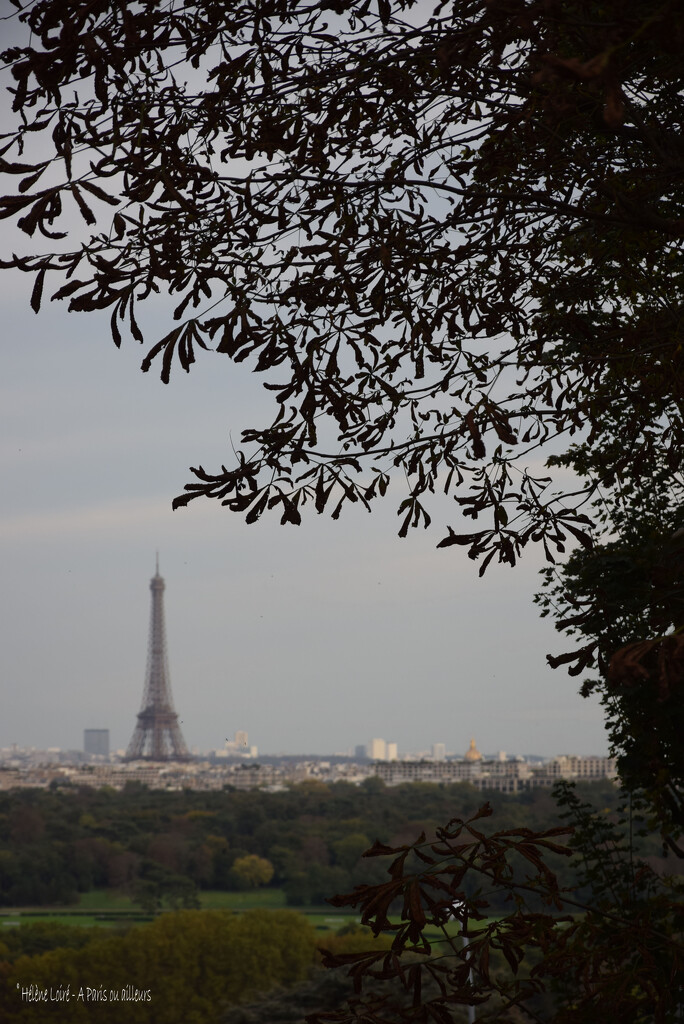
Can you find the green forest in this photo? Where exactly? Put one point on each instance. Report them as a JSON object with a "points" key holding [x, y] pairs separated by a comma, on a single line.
{"points": [[164, 848]]}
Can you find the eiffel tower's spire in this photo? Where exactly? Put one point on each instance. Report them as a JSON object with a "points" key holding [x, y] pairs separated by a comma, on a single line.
{"points": [[157, 735]]}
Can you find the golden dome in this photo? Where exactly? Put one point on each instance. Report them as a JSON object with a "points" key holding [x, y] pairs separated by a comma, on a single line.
{"points": [[473, 754]]}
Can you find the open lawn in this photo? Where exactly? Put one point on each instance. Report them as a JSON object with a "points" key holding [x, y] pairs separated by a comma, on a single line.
{"points": [[108, 908]]}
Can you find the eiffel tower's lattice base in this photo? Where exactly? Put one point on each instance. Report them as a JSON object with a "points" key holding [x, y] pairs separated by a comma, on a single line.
{"points": [[157, 737]]}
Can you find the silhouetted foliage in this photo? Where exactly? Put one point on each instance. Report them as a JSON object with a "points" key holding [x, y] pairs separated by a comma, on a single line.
{"points": [[623, 602], [550, 956], [447, 238]]}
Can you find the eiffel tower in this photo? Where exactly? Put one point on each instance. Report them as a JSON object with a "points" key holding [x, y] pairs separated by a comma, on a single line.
{"points": [[157, 735]]}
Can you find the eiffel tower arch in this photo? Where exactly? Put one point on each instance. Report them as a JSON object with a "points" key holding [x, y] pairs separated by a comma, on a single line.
{"points": [[157, 735]]}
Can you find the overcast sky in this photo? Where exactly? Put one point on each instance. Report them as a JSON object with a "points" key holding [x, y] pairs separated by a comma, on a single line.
{"points": [[313, 639]]}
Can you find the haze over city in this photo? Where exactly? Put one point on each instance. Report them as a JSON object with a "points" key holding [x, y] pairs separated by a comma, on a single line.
{"points": [[312, 638]]}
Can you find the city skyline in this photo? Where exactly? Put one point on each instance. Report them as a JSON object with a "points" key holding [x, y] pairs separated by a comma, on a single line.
{"points": [[94, 738], [504, 774]]}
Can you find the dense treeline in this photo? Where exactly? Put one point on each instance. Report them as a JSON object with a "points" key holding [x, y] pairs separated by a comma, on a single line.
{"points": [[165, 846]]}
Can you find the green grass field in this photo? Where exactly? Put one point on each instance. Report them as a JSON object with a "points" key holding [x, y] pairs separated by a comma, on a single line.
{"points": [[107, 908]]}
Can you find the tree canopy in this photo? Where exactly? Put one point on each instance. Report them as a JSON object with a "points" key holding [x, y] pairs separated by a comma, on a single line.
{"points": [[622, 603], [448, 238]]}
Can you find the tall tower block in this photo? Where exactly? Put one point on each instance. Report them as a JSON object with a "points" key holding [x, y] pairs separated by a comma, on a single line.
{"points": [[157, 735]]}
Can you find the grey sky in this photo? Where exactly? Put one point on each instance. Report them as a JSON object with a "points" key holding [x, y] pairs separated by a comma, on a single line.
{"points": [[312, 638]]}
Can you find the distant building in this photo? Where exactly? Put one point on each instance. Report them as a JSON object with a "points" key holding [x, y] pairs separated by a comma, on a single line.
{"points": [[96, 741], [570, 766], [438, 751], [393, 773], [472, 753], [239, 746], [380, 750], [360, 751], [377, 750], [512, 776]]}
